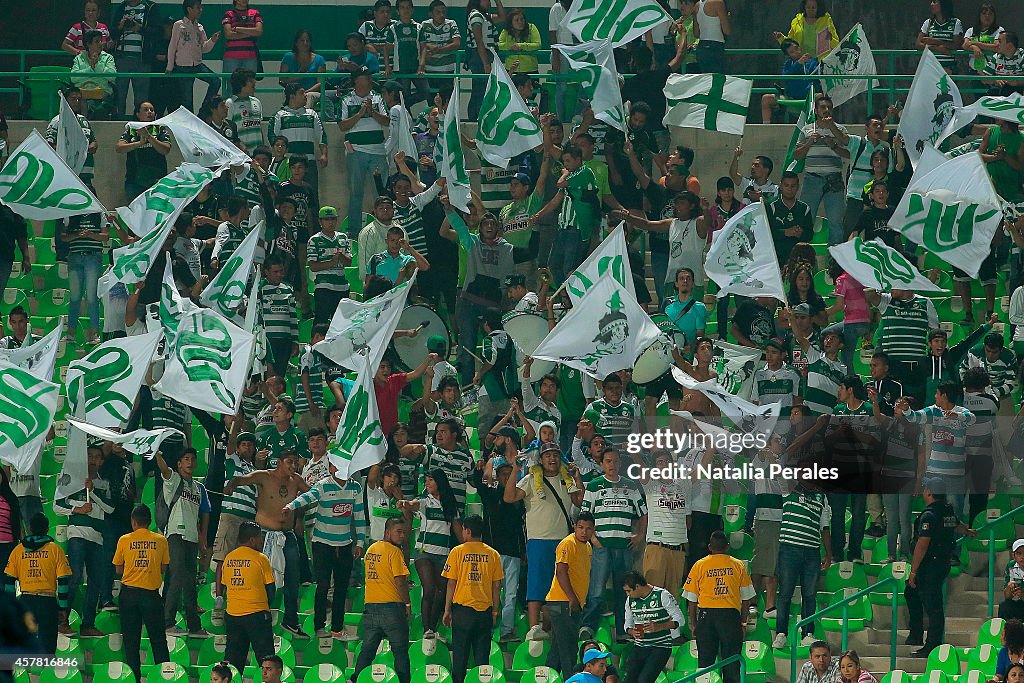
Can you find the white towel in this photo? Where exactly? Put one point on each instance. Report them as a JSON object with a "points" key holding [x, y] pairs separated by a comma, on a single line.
{"points": [[273, 548]]}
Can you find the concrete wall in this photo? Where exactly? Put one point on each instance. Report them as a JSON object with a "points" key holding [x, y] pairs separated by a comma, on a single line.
{"points": [[714, 151]]}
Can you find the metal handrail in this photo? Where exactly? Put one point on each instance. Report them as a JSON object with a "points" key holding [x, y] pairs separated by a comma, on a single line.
{"points": [[844, 605], [990, 526], [718, 666]]}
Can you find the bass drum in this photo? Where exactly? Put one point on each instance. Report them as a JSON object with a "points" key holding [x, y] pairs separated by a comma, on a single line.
{"points": [[411, 351], [656, 359], [528, 331]]}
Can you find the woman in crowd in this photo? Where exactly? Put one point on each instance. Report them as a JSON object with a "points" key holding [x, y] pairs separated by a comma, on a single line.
{"points": [[812, 29], [519, 35], [941, 32], [74, 41], [850, 670], [94, 72], [302, 60]]}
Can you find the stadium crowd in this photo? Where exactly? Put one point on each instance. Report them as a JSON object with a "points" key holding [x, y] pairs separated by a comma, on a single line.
{"points": [[505, 490]]}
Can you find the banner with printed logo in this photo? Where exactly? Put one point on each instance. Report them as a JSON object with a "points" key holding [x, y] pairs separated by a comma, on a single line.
{"points": [[226, 291], [735, 366], [507, 127], [617, 21], [931, 103], [40, 356], [360, 437], [72, 142], [609, 256], [140, 442], [878, 266], [164, 202], [197, 141], [109, 378], [742, 257], [37, 184], [1009, 108], [852, 57], [133, 261], [28, 404], [745, 415]]}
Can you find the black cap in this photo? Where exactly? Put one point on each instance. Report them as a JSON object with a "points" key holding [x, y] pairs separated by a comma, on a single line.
{"points": [[511, 433], [515, 280]]}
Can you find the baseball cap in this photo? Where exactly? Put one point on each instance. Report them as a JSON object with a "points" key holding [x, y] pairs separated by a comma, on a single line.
{"points": [[437, 343], [522, 178], [834, 328], [550, 446], [802, 309], [1018, 544], [328, 212], [515, 280], [936, 333], [594, 653], [246, 436], [511, 433], [362, 71], [777, 343]]}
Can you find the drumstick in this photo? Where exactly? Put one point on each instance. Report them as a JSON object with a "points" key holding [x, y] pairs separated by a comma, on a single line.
{"points": [[422, 325], [474, 355]]}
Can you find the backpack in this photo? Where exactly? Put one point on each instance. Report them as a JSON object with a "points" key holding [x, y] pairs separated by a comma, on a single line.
{"points": [[162, 509]]}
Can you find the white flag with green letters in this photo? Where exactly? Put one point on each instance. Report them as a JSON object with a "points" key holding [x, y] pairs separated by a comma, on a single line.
{"points": [[709, 101], [594, 63], [507, 127], [360, 437], [609, 256], [72, 142], [197, 141], [133, 261], [952, 211], [226, 291], [27, 406], [852, 57], [140, 442], [111, 376], [37, 184], [617, 21], [1009, 108], [449, 157], [366, 327], [878, 266], [164, 202]]}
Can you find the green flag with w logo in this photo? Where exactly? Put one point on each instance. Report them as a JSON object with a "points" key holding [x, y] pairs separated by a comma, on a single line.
{"points": [[449, 157], [226, 291], [878, 266], [360, 437], [27, 407], [37, 184], [594, 64], [108, 378], [133, 261], [507, 127], [618, 21]]}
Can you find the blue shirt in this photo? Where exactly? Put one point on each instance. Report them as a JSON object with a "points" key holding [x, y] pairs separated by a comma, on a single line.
{"points": [[293, 67], [797, 89], [688, 323], [367, 59], [386, 265], [583, 677]]}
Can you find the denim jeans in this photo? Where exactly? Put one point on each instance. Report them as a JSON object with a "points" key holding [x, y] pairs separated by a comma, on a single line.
{"points": [[185, 85], [361, 166], [140, 86], [381, 621], [813, 193], [858, 508], [852, 333], [293, 579], [83, 276], [897, 515], [796, 563], [476, 97], [566, 253], [471, 639], [564, 633], [659, 267], [467, 317], [605, 562], [89, 558], [510, 567]]}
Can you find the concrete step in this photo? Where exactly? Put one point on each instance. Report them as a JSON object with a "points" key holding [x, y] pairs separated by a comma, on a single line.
{"points": [[876, 637], [914, 665]]}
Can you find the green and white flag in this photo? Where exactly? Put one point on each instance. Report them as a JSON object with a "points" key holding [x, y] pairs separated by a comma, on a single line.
{"points": [[75, 468], [37, 184], [449, 157], [111, 376], [28, 404], [507, 127], [254, 325], [609, 256], [852, 57], [735, 366], [742, 258], [164, 202], [709, 101], [931, 103], [1009, 108], [72, 142], [197, 141], [806, 116], [40, 357], [604, 333], [878, 266], [747, 416], [226, 291], [364, 328], [133, 261], [140, 442], [360, 437], [208, 366], [617, 21], [594, 63], [172, 306], [952, 211]]}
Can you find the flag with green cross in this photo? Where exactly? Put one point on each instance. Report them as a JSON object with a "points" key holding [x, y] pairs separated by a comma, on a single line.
{"points": [[709, 101]]}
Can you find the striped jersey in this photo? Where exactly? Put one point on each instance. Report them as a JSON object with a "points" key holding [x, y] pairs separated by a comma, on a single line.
{"points": [[89, 169], [457, 465], [379, 38], [340, 515], [903, 332], [488, 29], [776, 386], [405, 54], [984, 406], [944, 31], [614, 423], [432, 34], [247, 115], [380, 508], [242, 501], [166, 412], [768, 491], [1002, 372], [822, 384], [901, 443], [302, 128], [494, 185], [309, 364], [658, 607], [92, 223], [948, 455], [580, 205], [130, 42], [321, 249], [366, 135], [1001, 66], [615, 506], [280, 318], [229, 238], [87, 526], [410, 218], [435, 535], [669, 509], [856, 452], [804, 515]]}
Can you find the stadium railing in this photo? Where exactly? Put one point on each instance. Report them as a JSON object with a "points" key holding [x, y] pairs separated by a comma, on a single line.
{"points": [[717, 667], [844, 606], [990, 528], [888, 83]]}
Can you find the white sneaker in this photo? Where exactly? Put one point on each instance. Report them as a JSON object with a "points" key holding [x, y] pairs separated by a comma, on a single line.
{"points": [[780, 641], [807, 640], [769, 613], [429, 635], [537, 633]]}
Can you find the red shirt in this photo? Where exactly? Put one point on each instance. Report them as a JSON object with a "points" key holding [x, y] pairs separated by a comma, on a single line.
{"points": [[387, 399], [241, 48]]}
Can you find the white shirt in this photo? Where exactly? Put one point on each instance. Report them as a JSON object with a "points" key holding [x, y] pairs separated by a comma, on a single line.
{"points": [[555, 16]]}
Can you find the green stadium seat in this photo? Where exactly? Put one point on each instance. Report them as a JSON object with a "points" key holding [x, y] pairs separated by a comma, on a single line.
{"points": [[857, 615], [844, 575], [899, 570], [324, 672], [70, 647], [285, 650], [971, 676], [983, 659], [51, 276], [741, 545], [60, 674], [733, 517], [168, 672], [944, 658], [421, 653], [933, 677], [684, 657], [432, 673], [529, 654], [760, 660], [44, 250], [897, 676], [377, 673], [1004, 531], [212, 620], [709, 677], [212, 650], [12, 298], [22, 675], [108, 649], [112, 672], [20, 280], [322, 650], [485, 673], [541, 674]]}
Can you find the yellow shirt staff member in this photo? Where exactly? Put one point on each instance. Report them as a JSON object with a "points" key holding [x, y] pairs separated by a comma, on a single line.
{"points": [[248, 582], [388, 608], [718, 591], [474, 576], [140, 560], [568, 594], [40, 566]]}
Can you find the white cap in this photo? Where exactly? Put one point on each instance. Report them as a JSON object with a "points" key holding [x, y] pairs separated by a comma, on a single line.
{"points": [[1018, 544]]}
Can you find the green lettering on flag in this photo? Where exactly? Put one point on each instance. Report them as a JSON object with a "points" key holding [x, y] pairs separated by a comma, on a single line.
{"points": [[890, 267], [24, 415], [944, 227], [27, 179], [499, 121], [618, 21], [204, 351], [357, 429], [101, 371]]}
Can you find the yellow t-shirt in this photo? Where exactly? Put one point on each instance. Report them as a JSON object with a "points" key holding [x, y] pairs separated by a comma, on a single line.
{"points": [[246, 575], [37, 571], [577, 556], [144, 555], [474, 567], [718, 581], [384, 563]]}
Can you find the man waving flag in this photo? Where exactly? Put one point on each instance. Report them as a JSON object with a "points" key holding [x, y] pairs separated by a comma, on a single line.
{"points": [[507, 127]]}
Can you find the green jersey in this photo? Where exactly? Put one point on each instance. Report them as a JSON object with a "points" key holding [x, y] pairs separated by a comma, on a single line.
{"points": [[515, 219], [580, 207], [658, 607], [321, 249], [432, 34], [456, 464], [242, 501], [615, 506], [380, 38], [278, 442], [406, 52], [614, 423]]}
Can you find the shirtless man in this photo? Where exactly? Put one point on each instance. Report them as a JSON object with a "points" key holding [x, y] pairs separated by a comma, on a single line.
{"points": [[274, 489], [695, 401]]}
